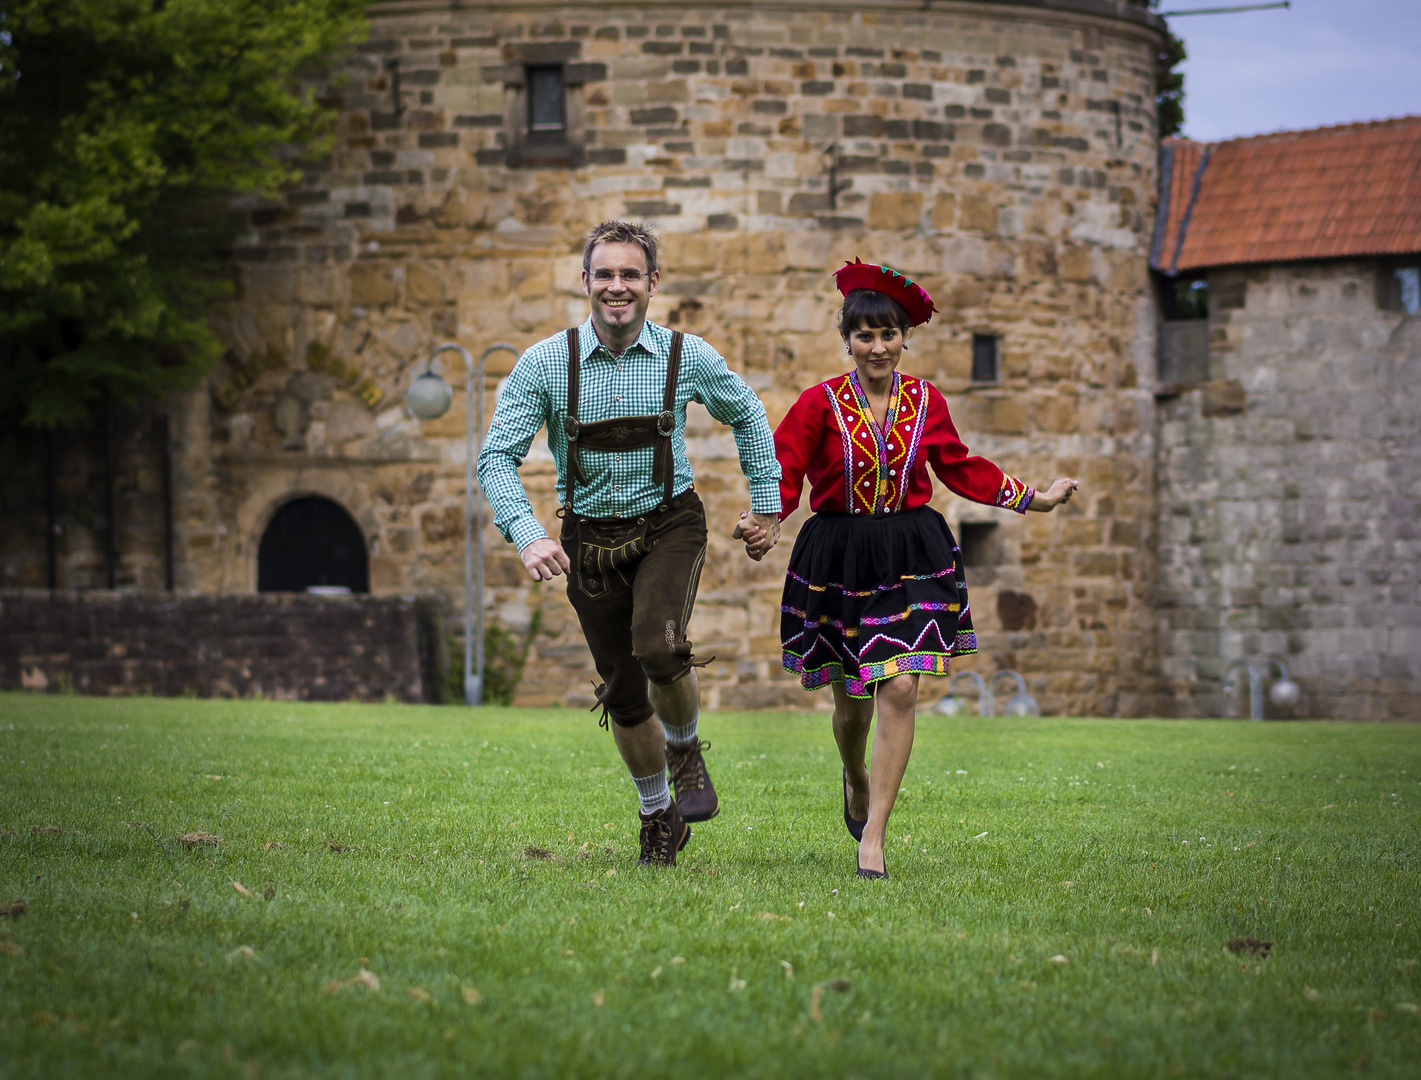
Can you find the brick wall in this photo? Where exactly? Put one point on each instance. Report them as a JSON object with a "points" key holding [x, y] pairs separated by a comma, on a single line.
{"points": [[277, 646], [1290, 494]]}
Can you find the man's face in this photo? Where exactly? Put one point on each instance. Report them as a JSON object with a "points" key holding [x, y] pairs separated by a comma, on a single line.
{"points": [[619, 287]]}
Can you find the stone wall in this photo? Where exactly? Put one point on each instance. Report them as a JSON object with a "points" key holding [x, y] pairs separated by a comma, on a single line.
{"points": [[1290, 496], [1002, 154], [288, 647]]}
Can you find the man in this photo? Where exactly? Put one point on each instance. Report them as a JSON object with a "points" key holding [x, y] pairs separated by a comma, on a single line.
{"points": [[613, 394]]}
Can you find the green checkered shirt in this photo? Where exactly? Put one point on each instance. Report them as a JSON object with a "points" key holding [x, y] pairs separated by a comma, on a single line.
{"points": [[618, 485]]}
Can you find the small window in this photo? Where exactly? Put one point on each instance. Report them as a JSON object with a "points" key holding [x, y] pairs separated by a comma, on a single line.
{"points": [[547, 111], [1186, 298], [979, 543], [1182, 342], [1408, 279], [986, 358], [1399, 288]]}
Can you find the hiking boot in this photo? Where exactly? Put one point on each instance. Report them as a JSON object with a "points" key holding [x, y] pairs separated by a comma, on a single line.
{"points": [[662, 835], [695, 794]]}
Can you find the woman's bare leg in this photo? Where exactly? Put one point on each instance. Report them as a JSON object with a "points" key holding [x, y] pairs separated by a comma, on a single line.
{"points": [[852, 719], [892, 746]]}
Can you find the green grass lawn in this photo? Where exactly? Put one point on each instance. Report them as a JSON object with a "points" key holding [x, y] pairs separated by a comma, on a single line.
{"points": [[1059, 900]]}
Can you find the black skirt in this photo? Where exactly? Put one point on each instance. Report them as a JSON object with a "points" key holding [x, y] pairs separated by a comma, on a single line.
{"points": [[868, 598]]}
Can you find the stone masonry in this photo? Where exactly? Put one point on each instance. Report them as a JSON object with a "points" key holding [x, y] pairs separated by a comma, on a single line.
{"points": [[1290, 496], [276, 646], [1003, 154]]}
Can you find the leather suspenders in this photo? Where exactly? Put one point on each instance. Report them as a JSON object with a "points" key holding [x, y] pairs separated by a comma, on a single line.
{"points": [[623, 432]]}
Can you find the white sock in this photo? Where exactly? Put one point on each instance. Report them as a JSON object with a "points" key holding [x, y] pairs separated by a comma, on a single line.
{"points": [[654, 792], [681, 734]]}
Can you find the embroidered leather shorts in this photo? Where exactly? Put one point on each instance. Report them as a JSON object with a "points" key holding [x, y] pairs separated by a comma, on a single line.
{"points": [[633, 584]]}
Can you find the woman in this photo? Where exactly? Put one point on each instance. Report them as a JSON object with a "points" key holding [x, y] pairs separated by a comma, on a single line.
{"points": [[875, 592]]}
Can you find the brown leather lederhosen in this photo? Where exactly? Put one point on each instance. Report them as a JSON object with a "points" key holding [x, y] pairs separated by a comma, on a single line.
{"points": [[633, 580], [622, 432]]}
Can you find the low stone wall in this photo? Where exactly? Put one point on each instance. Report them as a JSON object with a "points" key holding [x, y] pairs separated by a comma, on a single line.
{"points": [[290, 647]]}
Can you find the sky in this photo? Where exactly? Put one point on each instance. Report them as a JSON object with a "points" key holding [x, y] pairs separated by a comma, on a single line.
{"points": [[1320, 62]]}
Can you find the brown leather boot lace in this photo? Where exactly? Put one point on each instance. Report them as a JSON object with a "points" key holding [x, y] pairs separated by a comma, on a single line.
{"points": [[657, 843], [687, 767]]}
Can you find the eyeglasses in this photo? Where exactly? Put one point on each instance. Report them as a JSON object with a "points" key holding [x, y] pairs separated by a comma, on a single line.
{"points": [[628, 277]]}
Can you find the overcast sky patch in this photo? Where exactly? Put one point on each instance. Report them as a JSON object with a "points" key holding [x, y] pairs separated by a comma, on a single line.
{"points": [[1321, 62]]}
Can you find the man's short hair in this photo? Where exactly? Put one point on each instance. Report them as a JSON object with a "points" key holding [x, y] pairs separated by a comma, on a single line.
{"points": [[621, 232]]}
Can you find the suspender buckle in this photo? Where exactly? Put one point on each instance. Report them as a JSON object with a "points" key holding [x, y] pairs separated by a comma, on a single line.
{"points": [[571, 428], [666, 424]]}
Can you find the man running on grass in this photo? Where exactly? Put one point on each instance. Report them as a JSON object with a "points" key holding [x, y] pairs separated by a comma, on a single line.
{"points": [[612, 394]]}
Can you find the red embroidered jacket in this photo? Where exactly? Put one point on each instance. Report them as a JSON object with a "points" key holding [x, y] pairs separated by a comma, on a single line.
{"points": [[830, 436]]}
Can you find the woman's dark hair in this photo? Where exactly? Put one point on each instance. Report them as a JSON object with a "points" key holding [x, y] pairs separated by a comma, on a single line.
{"points": [[865, 307]]}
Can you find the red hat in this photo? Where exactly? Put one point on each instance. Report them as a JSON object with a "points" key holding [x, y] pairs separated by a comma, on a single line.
{"points": [[861, 275]]}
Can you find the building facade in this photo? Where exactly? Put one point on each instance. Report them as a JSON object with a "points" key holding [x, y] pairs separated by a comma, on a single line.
{"points": [[1290, 417], [1003, 154]]}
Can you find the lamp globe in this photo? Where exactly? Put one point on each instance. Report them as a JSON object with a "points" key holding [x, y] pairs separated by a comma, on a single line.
{"points": [[950, 705], [1021, 705], [429, 396]]}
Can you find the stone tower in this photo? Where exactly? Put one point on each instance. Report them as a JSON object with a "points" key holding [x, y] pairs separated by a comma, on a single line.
{"points": [[1003, 154]]}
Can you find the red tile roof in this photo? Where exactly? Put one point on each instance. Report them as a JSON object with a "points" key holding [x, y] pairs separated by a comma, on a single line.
{"points": [[1319, 194]]}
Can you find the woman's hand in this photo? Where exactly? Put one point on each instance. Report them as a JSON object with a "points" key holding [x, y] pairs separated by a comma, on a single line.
{"points": [[1058, 493], [759, 531]]}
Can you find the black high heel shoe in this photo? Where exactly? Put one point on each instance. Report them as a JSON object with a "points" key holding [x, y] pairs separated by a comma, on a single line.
{"points": [[853, 824], [871, 873]]}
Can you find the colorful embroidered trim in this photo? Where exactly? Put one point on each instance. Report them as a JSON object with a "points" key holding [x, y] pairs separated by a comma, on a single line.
{"points": [[834, 393], [877, 588], [823, 620], [869, 438], [964, 641], [857, 686], [877, 461], [915, 646], [884, 620], [1015, 495], [879, 620], [911, 416]]}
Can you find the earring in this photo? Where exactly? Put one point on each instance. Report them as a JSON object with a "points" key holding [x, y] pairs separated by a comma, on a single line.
{"points": [[848, 350], [905, 345]]}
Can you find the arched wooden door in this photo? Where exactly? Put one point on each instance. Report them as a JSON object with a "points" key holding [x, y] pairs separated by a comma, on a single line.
{"points": [[312, 541]]}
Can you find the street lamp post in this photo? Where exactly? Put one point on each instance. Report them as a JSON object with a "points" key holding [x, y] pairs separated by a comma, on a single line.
{"points": [[429, 398]]}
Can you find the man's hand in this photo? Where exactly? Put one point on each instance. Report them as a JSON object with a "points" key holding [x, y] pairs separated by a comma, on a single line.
{"points": [[545, 559], [1058, 493], [759, 531]]}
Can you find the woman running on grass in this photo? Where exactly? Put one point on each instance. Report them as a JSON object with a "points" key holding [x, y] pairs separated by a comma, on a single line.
{"points": [[875, 592]]}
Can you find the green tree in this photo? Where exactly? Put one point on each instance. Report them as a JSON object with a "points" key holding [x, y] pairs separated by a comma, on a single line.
{"points": [[126, 128], [1169, 84]]}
